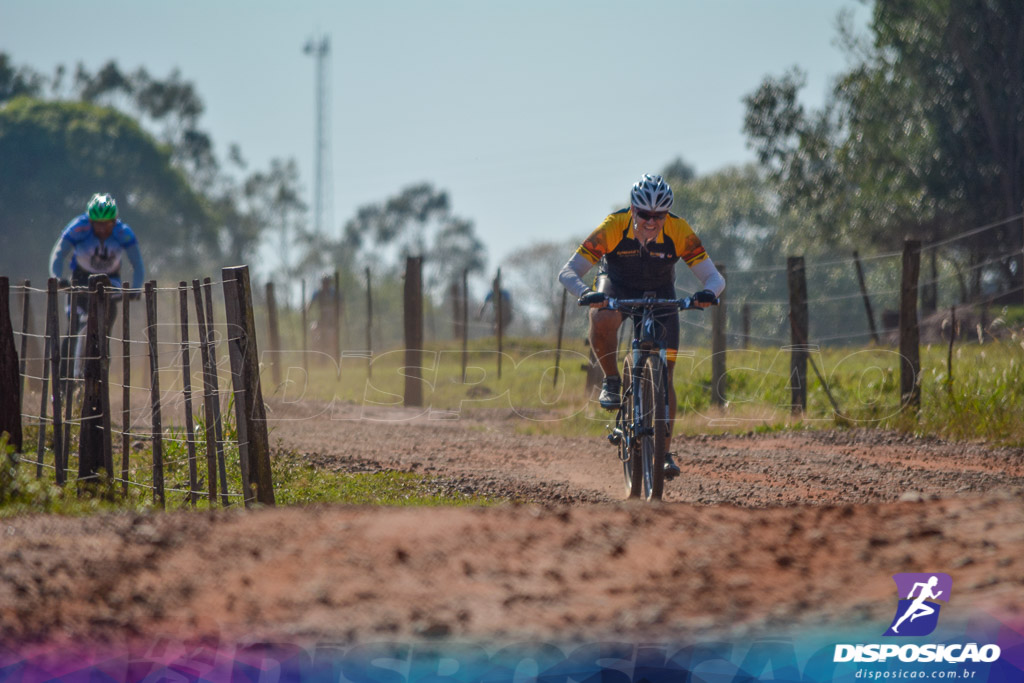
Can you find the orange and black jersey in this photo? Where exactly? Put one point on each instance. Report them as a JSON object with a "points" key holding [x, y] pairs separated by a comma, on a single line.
{"points": [[628, 265]]}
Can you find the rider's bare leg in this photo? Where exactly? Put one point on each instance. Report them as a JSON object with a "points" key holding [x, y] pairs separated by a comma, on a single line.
{"points": [[604, 338]]}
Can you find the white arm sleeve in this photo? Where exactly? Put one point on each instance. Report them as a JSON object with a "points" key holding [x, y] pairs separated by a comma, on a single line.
{"points": [[709, 276], [571, 275]]}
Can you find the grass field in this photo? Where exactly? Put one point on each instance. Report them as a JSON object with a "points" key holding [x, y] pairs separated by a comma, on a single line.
{"points": [[982, 399]]}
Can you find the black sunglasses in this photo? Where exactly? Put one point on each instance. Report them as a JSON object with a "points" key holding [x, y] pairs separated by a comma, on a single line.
{"points": [[650, 216]]}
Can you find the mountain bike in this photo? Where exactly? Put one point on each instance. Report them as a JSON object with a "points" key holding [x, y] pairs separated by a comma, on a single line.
{"points": [[642, 420]]}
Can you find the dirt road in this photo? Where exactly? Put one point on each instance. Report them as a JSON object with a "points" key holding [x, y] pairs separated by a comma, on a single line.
{"points": [[760, 531]]}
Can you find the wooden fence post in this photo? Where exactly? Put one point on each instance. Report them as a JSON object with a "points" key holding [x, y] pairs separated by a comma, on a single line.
{"points": [[94, 439], [154, 395], [339, 309], [718, 346], [25, 317], [797, 281], [273, 335], [305, 329], [126, 381], [746, 326], [949, 355], [864, 295], [217, 422], [910, 353], [369, 324], [413, 331], [465, 322], [496, 305], [249, 408], [561, 326], [453, 294], [68, 378], [186, 388], [930, 291], [50, 321], [210, 401], [53, 325], [10, 374]]}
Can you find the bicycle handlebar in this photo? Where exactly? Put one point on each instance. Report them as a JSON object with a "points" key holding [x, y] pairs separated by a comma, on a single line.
{"points": [[685, 304]]}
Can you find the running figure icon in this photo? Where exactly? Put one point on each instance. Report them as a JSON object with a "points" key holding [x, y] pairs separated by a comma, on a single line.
{"points": [[918, 608]]}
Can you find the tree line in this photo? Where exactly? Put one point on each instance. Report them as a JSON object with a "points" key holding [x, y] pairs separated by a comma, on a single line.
{"points": [[66, 135]]}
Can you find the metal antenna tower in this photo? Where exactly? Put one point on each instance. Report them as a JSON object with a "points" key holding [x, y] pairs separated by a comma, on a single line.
{"points": [[320, 48]]}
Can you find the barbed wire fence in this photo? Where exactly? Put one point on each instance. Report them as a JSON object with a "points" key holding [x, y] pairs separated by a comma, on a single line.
{"points": [[75, 421], [70, 363]]}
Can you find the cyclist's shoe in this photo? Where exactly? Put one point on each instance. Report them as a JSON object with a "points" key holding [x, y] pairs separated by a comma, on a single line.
{"points": [[671, 468], [611, 393]]}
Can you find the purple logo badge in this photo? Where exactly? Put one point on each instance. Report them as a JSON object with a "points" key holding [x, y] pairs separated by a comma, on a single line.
{"points": [[918, 613]]}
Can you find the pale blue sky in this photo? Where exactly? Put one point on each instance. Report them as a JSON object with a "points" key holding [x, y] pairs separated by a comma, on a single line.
{"points": [[535, 116]]}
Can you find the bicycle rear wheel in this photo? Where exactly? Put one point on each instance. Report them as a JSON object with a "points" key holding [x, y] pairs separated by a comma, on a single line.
{"points": [[652, 441], [629, 451]]}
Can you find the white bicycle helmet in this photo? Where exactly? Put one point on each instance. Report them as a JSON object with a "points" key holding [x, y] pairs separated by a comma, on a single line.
{"points": [[651, 193]]}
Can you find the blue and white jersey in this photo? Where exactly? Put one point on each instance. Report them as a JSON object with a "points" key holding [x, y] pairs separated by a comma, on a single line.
{"points": [[92, 255]]}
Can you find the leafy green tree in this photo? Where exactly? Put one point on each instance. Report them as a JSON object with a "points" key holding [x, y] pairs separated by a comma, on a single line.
{"points": [[57, 154], [922, 136]]}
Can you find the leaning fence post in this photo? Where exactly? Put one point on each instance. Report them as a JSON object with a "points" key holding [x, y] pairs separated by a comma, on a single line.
{"points": [[558, 344], [797, 281], [910, 353], [186, 388], [154, 373], [126, 382], [864, 295], [718, 324], [249, 407], [273, 335], [413, 331], [94, 440], [10, 399]]}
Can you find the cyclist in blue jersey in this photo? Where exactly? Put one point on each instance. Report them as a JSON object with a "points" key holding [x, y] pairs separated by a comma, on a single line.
{"points": [[637, 249], [96, 241]]}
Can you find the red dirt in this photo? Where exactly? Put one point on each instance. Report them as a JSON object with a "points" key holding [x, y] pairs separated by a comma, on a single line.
{"points": [[760, 531]]}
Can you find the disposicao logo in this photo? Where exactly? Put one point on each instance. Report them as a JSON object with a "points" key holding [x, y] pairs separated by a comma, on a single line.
{"points": [[918, 611], [917, 614]]}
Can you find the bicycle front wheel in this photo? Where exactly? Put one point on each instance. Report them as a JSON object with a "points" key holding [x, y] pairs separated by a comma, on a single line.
{"points": [[629, 448], [652, 440]]}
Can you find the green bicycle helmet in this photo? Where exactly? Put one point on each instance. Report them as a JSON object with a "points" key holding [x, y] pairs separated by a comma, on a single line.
{"points": [[102, 207]]}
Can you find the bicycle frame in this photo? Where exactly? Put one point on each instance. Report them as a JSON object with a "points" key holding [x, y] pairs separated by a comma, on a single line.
{"points": [[630, 432]]}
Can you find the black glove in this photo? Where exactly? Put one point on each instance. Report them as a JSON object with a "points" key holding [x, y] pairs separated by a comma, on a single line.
{"points": [[705, 296], [591, 297], [63, 283], [134, 296]]}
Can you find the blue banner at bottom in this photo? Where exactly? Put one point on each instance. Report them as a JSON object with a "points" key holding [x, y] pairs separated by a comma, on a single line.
{"points": [[986, 650]]}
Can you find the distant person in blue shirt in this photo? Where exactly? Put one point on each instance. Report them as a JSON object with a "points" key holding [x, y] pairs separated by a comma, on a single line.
{"points": [[97, 241], [506, 309]]}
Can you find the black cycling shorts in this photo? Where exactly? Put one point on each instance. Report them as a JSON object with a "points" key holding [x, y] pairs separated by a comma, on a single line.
{"points": [[666, 319]]}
